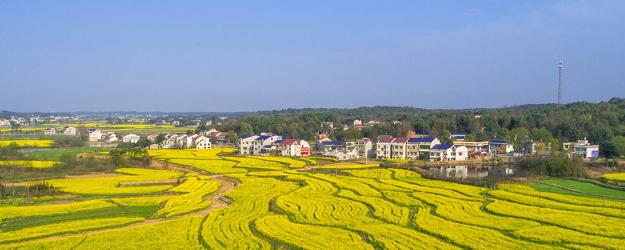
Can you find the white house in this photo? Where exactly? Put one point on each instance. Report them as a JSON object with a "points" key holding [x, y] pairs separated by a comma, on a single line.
{"points": [[364, 147], [190, 143], [111, 137], [181, 140], [130, 138], [448, 152], [342, 156], [383, 147], [417, 146], [293, 147], [398, 148], [169, 143], [69, 131], [582, 148], [329, 145], [5, 123], [95, 135], [261, 143], [49, 131], [203, 142], [404, 147], [246, 144], [210, 133], [152, 137]]}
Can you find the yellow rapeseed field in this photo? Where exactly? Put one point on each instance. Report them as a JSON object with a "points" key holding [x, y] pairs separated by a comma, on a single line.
{"points": [[29, 164], [273, 202], [27, 143], [615, 177]]}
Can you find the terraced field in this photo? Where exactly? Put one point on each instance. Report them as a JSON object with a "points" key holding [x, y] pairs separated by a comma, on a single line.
{"points": [[276, 202]]}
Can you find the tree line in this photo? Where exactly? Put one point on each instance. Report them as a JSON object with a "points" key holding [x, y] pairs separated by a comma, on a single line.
{"points": [[602, 123]]}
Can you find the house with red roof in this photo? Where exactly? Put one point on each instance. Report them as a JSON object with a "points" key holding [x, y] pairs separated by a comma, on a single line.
{"points": [[398, 148], [383, 147], [406, 148]]}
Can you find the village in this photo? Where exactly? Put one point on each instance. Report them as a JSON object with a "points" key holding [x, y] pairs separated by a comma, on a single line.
{"points": [[412, 147]]}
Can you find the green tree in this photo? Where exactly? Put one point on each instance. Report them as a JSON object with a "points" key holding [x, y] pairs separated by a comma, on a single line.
{"points": [[517, 135], [159, 138], [619, 145], [445, 136], [117, 158], [246, 129]]}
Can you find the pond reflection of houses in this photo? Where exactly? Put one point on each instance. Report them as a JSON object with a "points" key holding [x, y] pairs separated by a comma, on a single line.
{"points": [[474, 172]]}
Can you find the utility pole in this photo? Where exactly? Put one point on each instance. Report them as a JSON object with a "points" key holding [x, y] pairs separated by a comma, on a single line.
{"points": [[364, 145], [560, 68]]}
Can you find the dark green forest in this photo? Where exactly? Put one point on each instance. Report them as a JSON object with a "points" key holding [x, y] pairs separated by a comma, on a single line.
{"points": [[602, 123]]}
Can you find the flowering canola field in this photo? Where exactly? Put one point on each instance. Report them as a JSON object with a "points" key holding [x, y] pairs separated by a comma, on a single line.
{"points": [[277, 203], [28, 143]]}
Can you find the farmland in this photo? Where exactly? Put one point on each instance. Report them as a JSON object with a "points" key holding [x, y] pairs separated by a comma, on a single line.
{"points": [[27, 143], [214, 199]]}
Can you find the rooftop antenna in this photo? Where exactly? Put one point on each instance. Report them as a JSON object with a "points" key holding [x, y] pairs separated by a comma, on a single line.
{"points": [[560, 67]]}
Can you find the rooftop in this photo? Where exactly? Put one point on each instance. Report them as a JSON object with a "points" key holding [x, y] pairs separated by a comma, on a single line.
{"points": [[420, 139], [442, 146]]}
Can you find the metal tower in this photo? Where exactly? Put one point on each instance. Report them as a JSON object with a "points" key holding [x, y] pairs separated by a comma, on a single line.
{"points": [[560, 67]]}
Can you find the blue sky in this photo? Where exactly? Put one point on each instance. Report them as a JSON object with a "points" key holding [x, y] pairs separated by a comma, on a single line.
{"points": [[262, 55]]}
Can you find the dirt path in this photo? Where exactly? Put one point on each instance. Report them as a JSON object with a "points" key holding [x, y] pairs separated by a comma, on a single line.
{"points": [[218, 199]]}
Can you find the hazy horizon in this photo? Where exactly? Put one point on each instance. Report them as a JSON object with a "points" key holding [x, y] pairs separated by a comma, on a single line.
{"points": [[300, 108], [196, 56]]}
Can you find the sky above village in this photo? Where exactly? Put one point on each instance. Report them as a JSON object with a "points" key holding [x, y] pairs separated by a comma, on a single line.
{"points": [[264, 55]]}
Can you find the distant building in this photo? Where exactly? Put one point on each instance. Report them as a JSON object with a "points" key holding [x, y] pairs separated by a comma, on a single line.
{"points": [[110, 137], [220, 137], [211, 133], [69, 131], [364, 147], [327, 125], [203, 142], [403, 147], [500, 146], [49, 131], [5, 123], [526, 147], [582, 148], [323, 138], [383, 147], [293, 147], [448, 152], [169, 143], [190, 142], [342, 156], [418, 146], [152, 137], [130, 138], [474, 147], [329, 145], [246, 144], [95, 135], [398, 148], [357, 123], [458, 136]]}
